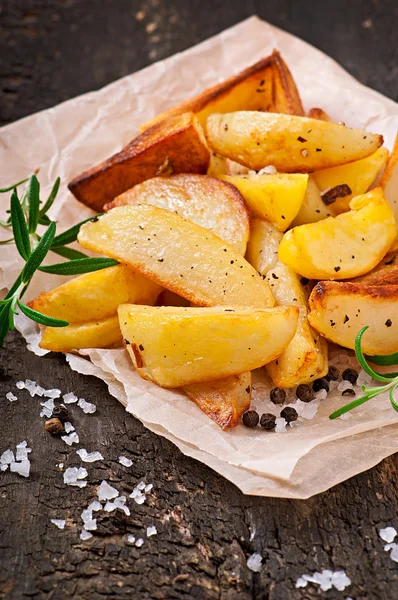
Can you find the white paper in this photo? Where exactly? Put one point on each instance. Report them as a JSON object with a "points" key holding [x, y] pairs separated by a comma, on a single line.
{"points": [[79, 133]]}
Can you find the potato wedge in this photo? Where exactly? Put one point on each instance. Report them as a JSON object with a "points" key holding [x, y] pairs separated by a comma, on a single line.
{"points": [[217, 165], [275, 198], [320, 114], [346, 246], [338, 310], [190, 261], [96, 334], [389, 180], [96, 296], [385, 273], [223, 400], [179, 141], [292, 144], [212, 204], [175, 346], [262, 249], [339, 185], [266, 85], [312, 209]]}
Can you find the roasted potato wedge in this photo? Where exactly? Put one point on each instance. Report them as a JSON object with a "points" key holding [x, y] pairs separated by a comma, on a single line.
{"points": [[190, 261], [208, 202], [96, 334], [217, 165], [389, 180], [385, 273], [292, 144], [266, 85], [262, 249], [96, 296], [320, 114], [346, 246], [338, 310], [177, 141], [223, 400], [275, 198], [312, 208], [175, 346], [339, 185]]}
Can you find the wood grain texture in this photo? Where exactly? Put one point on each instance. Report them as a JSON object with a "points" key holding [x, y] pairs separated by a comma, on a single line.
{"points": [[204, 523]]}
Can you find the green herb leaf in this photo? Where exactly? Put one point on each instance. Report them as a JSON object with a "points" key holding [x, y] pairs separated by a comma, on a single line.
{"points": [[79, 266], [69, 253], [44, 220], [3, 323], [384, 361], [12, 187], [361, 358], [40, 318], [19, 227], [39, 253], [33, 195], [51, 198], [392, 400], [70, 235], [3, 242], [347, 407]]}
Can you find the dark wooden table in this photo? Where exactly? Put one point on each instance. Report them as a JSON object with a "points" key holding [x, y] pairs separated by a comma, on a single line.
{"points": [[51, 50]]}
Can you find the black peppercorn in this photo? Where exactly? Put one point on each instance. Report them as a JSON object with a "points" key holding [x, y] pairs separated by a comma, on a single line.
{"points": [[267, 421], [350, 375], [289, 414], [60, 412], [348, 392], [333, 374], [277, 396], [320, 384], [304, 393], [54, 426], [250, 418]]}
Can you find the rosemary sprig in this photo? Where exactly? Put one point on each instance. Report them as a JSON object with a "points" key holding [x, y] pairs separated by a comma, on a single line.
{"points": [[25, 215], [390, 379]]}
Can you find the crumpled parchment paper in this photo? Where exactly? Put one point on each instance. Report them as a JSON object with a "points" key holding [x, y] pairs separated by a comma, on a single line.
{"points": [[69, 138]]}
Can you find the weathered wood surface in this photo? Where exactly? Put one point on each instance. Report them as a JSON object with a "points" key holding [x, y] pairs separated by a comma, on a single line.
{"points": [[52, 50]]}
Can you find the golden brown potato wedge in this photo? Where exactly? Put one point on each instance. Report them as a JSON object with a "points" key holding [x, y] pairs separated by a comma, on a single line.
{"points": [[96, 296], [262, 249], [177, 142], [339, 185], [389, 180], [289, 143], [338, 310], [208, 202], [223, 400], [191, 261], [266, 85], [175, 346], [385, 273], [312, 208], [96, 334], [320, 114], [345, 246]]}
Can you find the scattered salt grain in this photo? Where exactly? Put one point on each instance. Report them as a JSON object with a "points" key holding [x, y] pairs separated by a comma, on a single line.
{"points": [[340, 580], [20, 385], [22, 468], [126, 462], [394, 553], [70, 398], [321, 395], [68, 427], [94, 506], [11, 397], [22, 451], [85, 535], [326, 580], [254, 562], [7, 458], [90, 524], [388, 547], [118, 503], [139, 542], [388, 534], [151, 531], [53, 393], [70, 439], [280, 425], [344, 385], [364, 378], [148, 487], [141, 485], [86, 407], [137, 495], [130, 539], [74, 475], [268, 170], [106, 491], [89, 456], [60, 523], [48, 407], [60, 466]]}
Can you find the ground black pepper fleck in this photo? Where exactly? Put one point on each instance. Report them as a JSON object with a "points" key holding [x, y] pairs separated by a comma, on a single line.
{"points": [[250, 418], [350, 375], [268, 421], [388, 323], [141, 347], [346, 318]]}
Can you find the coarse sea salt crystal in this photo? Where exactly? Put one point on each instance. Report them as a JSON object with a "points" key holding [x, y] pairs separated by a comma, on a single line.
{"points": [[340, 580], [72, 438], [151, 531], [326, 579], [68, 427], [53, 393], [254, 562], [321, 395], [344, 385], [20, 385], [118, 503], [138, 496], [70, 398], [7, 457], [85, 535], [106, 491], [394, 553], [94, 506], [126, 462], [22, 451], [268, 170], [60, 523], [130, 539], [11, 397], [74, 475], [388, 534], [139, 542], [280, 425], [48, 407], [87, 407], [60, 466], [141, 485], [22, 468], [89, 456], [364, 378], [148, 487]]}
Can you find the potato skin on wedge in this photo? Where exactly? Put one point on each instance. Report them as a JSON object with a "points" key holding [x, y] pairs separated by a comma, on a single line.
{"points": [[223, 400], [338, 310], [97, 295], [178, 140], [343, 247], [187, 259], [96, 334], [174, 346], [292, 144], [208, 202]]}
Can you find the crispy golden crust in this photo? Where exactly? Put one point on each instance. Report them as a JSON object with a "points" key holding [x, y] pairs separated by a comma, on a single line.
{"points": [[286, 97], [386, 272], [178, 139], [319, 113]]}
